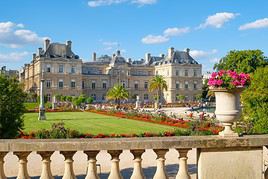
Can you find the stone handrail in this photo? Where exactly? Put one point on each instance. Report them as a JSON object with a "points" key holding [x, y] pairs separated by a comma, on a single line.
{"points": [[114, 146]]}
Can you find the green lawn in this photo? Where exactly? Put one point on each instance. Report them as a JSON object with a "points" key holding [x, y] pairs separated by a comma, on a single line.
{"points": [[92, 123]]}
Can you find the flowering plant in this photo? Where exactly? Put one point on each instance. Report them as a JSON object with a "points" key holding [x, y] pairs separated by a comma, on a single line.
{"points": [[228, 79]]}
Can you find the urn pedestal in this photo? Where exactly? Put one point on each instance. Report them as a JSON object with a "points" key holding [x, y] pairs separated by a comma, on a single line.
{"points": [[228, 109]]}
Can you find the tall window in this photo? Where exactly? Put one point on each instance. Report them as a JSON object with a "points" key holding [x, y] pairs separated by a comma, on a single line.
{"points": [[48, 69], [94, 97], [61, 68], [177, 72], [93, 85], [83, 84], [48, 97], [186, 85], [103, 97], [177, 85], [146, 85], [48, 84], [146, 97], [195, 85], [136, 85], [72, 84], [195, 72], [73, 69], [60, 84], [104, 85], [186, 73]]}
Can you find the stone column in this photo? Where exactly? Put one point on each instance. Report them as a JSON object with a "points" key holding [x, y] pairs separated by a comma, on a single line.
{"points": [[160, 170], [115, 171], [23, 173], [92, 169], [137, 171], [183, 167], [68, 170], [2, 173], [46, 170], [42, 115]]}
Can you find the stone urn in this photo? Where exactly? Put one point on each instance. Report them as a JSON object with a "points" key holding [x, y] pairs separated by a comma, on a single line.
{"points": [[228, 108]]}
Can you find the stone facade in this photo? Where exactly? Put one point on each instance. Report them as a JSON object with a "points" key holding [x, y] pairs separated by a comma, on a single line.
{"points": [[65, 73]]}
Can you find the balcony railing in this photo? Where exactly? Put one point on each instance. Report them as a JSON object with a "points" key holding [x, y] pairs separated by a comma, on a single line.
{"points": [[207, 163]]}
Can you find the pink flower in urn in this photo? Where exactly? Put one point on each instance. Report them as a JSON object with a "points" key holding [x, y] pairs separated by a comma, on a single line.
{"points": [[213, 75], [219, 82], [228, 79]]}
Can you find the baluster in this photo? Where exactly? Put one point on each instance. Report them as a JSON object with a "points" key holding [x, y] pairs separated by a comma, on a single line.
{"points": [[183, 168], [115, 171], [137, 171], [23, 173], [2, 173], [92, 169], [68, 169], [160, 170], [46, 170]]}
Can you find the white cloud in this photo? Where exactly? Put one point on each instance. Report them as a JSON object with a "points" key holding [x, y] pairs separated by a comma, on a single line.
{"points": [[154, 39], [214, 60], [13, 57], [107, 43], [260, 23], [166, 35], [14, 35], [144, 2], [202, 54], [169, 32], [218, 20], [97, 3]]}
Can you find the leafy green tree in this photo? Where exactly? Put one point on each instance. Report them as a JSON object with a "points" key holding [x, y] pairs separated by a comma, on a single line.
{"points": [[198, 97], [205, 89], [12, 108], [89, 100], [246, 61], [117, 93], [181, 97], [158, 84], [255, 101]]}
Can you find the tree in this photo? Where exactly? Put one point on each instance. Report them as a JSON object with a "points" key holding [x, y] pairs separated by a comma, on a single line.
{"points": [[117, 93], [181, 97], [255, 101], [246, 61], [205, 89], [198, 97], [158, 84], [12, 108]]}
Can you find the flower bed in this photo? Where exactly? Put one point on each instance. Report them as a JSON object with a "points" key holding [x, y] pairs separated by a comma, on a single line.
{"points": [[160, 119]]}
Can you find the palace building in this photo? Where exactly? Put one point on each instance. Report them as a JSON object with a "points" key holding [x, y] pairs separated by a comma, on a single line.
{"points": [[65, 73]]}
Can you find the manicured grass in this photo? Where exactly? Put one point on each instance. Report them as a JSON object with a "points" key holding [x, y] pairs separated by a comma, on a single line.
{"points": [[30, 106], [92, 123]]}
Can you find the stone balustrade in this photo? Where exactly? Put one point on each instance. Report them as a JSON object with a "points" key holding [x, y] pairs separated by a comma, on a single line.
{"points": [[217, 157]]}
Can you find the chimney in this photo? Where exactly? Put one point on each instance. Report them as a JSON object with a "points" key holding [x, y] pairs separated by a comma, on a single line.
{"points": [[46, 44], [118, 53], [39, 52], [69, 44], [170, 52], [94, 56], [34, 56], [188, 51], [147, 58]]}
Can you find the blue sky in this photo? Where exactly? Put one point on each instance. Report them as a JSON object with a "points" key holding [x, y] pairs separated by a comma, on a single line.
{"points": [[209, 28]]}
